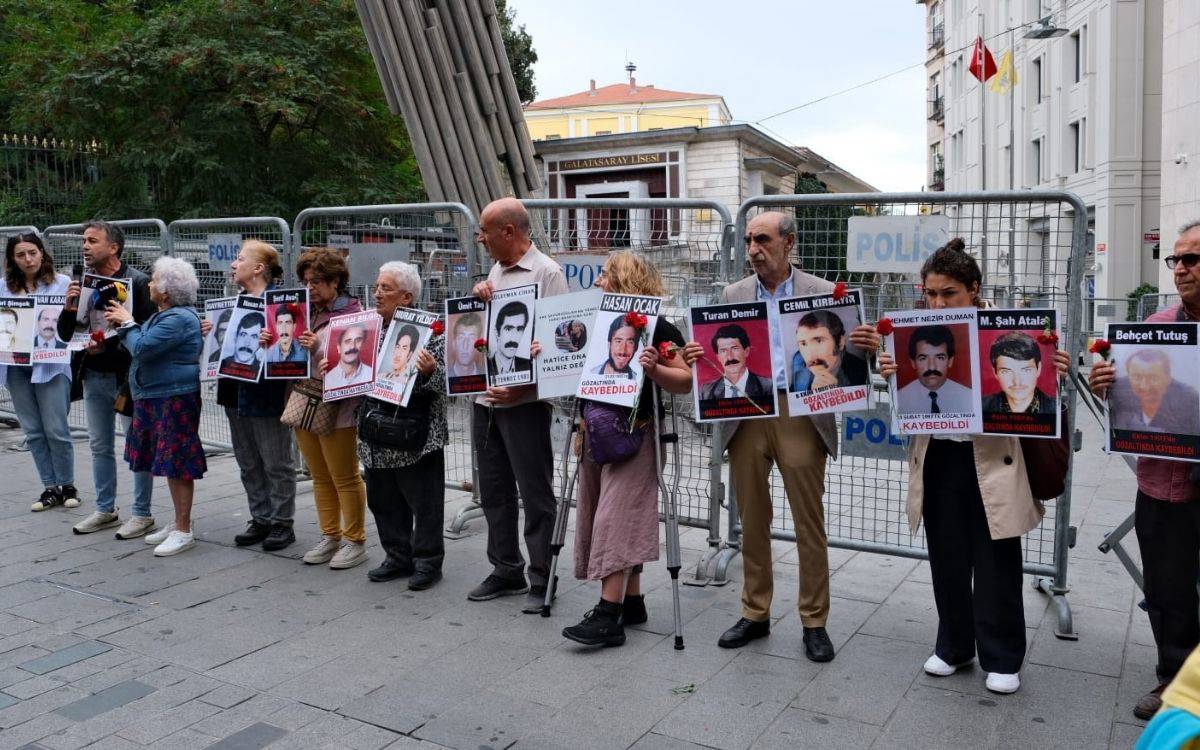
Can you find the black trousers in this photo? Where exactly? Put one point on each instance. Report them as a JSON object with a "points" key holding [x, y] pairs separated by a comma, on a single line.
{"points": [[1169, 537], [408, 504], [976, 579], [513, 451]]}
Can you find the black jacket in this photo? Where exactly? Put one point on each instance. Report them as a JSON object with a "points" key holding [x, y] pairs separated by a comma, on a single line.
{"points": [[114, 358]]}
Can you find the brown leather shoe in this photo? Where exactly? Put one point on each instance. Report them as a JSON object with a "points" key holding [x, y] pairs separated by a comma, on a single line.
{"points": [[1149, 703]]}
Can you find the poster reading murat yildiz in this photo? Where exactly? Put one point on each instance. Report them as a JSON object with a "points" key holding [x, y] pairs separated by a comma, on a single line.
{"points": [[16, 330], [48, 348], [734, 379], [241, 349], [466, 327], [407, 334], [217, 312], [287, 320], [624, 324], [1017, 374], [825, 371], [510, 335], [564, 328], [936, 390]]}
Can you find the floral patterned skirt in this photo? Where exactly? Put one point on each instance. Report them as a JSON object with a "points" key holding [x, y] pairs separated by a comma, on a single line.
{"points": [[164, 438]]}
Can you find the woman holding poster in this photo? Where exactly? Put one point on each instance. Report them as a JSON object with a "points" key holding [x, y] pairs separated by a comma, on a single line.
{"points": [[973, 493], [262, 445], [338, 489], [41, 394], [616, 529]]}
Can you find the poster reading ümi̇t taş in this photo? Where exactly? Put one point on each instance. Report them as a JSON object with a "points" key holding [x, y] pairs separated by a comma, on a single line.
{"points": [[466, 328]]}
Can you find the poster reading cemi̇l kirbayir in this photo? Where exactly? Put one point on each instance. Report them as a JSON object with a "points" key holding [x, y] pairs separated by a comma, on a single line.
{"points": [[1153, 405], [825, 372], [936, 390], [734, 379]]}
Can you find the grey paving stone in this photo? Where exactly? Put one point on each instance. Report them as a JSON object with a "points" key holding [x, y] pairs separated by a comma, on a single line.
{"points": [[185, 739], [488, 718], [227, 696], [37, 706], [252, 737], [796, 729], [32, 686], [941, 719], [1124, 736], [105, 700], [865, 681], [149, 729], [1098, 650], [655, 741], [65, 657], [7, 700]]}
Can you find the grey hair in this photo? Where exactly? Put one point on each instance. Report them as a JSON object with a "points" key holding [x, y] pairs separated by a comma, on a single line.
{"points": [[1189, 227], [406, 276], [1151, 357], [176, 280], [787, 225]]}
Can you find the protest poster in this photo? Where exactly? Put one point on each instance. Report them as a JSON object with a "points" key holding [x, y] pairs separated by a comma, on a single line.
{"points": [[936, 391], [466, 328], [624, 325], [95, 294], [825, 371], [408, 333], [351, 352], [16, 330], [48, 348], [1017, 374], [218, 312], [563, 328], [1153, 404], [241, 349], [287, 320], [510, 334], [734, 379]]}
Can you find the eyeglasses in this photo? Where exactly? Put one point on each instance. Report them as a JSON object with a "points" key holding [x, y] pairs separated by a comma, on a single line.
{"points": [[1189, 260]]}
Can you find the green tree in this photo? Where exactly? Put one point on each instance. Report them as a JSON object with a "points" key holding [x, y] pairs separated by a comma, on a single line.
{"points": [[521, 54]]}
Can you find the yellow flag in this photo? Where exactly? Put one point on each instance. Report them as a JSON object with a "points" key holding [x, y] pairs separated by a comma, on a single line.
{"points": [[1006, 75]]}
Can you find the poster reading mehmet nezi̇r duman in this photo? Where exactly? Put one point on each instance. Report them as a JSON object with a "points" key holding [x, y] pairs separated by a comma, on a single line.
{"points": [[612, 373], [936, 391], [1153, 405]]}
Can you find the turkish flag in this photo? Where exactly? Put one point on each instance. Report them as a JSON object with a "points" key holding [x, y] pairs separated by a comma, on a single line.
{"points": [[982, 66]]}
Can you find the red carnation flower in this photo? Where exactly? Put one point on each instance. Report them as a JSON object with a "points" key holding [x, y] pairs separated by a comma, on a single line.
{"points": [[481, 345], [839, 290], [636, 320], [1101, 347], [438, 327], [1048, 338], [884, 327], [98, 337], [666, 350]]}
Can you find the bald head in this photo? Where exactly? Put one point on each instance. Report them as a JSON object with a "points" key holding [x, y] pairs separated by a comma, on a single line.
{"points": [[504, 230]]}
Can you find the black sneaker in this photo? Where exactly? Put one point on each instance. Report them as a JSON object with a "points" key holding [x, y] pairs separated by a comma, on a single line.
{"points": [[390, 570], [255, 532], [48, 500], [280, 537], [534, 600], [494, 586], [633, 611], [423, 579], [70, 495], [601, 626]]}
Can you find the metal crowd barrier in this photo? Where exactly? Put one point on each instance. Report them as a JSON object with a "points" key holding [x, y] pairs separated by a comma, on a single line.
{"points": [[1030, 245], [1148, 304]]}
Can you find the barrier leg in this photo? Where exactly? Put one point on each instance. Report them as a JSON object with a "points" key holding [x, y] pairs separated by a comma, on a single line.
{"points": [[457, 527], [562, 514], [670, 494]]}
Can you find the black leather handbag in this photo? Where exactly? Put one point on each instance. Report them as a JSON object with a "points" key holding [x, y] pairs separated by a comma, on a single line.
{"points": [[394, 426]]}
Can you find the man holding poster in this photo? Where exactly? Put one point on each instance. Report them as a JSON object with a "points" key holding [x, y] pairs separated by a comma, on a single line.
{"points": [[798, 446], [510, 429], [510, 335]]}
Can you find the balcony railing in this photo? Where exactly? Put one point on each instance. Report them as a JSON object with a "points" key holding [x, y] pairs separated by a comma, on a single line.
{"points": [[937, 35], [937, 110]]}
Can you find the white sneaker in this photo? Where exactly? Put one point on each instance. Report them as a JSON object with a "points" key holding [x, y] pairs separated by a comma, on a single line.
{"points": [[135, 526], [161, 535], [1003, 683], [323, 552], [938, 668], [176, 542], [350, 554], [95, 522]]}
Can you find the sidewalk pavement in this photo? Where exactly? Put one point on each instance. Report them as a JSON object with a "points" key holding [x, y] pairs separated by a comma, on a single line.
{"points": [[104, 646]]}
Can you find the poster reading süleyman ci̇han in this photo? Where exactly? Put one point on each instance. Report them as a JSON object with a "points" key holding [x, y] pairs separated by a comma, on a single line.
{"points": [[510, 334], [734, 378], [466, 327], [564, 327], [287, 320], [936, 391], [1153, 405], [825, 372], [624, 325], [241, 350], [1016, 369], [217, 312], [407, 334]]}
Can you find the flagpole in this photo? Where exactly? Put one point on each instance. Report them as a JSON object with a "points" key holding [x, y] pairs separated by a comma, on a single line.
{"points": [[982, 104]]}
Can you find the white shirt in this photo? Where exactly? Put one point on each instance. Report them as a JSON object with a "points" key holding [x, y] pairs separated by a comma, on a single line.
{"points": [[740, 390], [782, 291], [952, 398], [337, 378]]}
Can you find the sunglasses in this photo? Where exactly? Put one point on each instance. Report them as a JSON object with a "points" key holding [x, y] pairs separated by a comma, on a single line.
{"points": [[1189, 260]]}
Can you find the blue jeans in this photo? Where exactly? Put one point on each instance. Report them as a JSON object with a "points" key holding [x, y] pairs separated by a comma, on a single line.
{"points": [[99, 391], [42, 411]]}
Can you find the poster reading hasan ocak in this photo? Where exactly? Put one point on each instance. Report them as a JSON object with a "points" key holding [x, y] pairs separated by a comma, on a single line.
{"points": [[936, 391], [1016, 368], [624, 325], [466, 345], [564, 327], [734, 378], [825, 371]]}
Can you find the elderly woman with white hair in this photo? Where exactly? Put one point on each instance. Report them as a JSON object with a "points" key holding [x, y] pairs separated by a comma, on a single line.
{"points": [[401, 448], [164, 380]]}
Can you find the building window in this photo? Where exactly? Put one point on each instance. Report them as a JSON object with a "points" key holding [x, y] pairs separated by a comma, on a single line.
{"points": [[1076, 50], [1036, 76], [956, 150], [937, 27], [603, 132], [553, 136], [937, 164], [1035, 162]]}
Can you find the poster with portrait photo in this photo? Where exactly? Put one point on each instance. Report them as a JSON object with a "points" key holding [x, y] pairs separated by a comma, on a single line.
{"points": [[734, 379], [48, 348], [95, 294], [563, 328], [408, 333], [825, 371], [1153, 404], [936, 391], [287, 320], [466, 324], [351, 352], [16, 330], [1017, 374], [241, 349], [612, 373], [217, 312], [510, 334]]}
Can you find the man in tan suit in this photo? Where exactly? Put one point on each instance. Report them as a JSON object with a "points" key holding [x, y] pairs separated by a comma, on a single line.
{"points": [[798, 446]]}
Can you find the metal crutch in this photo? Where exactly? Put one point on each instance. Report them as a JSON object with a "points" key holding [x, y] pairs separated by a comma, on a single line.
{"points": [[672, 510], [562, 510]]}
